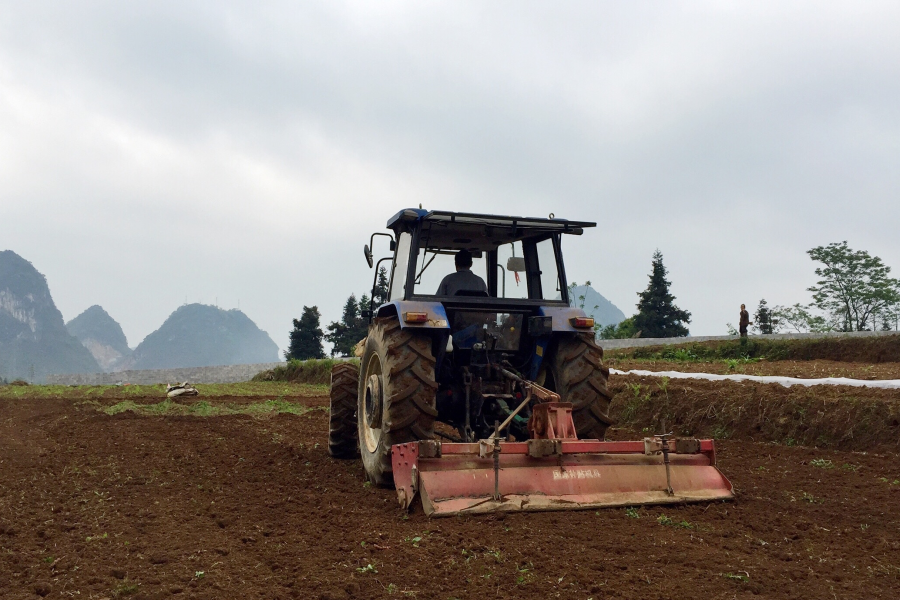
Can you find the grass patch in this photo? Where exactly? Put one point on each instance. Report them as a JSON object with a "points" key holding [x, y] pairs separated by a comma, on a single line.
{"points": [[205, 409], [126, 588], [670, 522], [847, 349], [302, 371], [244, 389]]}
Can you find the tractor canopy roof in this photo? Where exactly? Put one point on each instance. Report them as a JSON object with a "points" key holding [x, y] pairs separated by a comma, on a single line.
{"points": [[444, 229]]}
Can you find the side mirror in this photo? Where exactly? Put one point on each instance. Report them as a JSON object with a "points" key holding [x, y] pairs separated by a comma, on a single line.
{"points": [[368, 252], [516, 264]]}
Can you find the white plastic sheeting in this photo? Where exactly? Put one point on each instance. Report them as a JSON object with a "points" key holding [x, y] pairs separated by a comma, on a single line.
{"points": [[785, 381]]}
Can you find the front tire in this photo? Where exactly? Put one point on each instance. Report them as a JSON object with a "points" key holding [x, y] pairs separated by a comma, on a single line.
{"points": [[343, 440], [579, 377], [396, 395]]}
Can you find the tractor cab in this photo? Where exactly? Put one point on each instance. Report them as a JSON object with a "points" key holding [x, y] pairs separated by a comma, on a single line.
{"points": [[506, 312], [519, 259]]}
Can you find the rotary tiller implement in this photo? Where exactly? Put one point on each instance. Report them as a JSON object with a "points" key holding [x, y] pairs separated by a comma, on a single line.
{"points": [[555, 473]]}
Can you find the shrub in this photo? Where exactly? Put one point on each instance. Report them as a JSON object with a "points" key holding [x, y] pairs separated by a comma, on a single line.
{"points": [[301, 371]]}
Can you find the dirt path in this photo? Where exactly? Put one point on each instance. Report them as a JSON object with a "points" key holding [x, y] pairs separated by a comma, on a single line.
{"points": [[95, 506]]}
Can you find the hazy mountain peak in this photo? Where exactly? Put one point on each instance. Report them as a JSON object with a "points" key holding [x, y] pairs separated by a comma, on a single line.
{"points": [[199, 335], [595, 305], [100, 334], [34, 341]]}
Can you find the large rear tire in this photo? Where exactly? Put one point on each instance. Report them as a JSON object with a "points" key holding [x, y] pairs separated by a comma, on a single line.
{"points": [[396, 399], [343, 436], [579, 377]]}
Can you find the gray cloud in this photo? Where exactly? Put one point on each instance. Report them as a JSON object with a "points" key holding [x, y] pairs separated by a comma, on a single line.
{"points": [[155, 153]]}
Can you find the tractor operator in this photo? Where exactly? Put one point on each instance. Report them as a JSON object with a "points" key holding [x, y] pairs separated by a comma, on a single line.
{"points": [[464, 279]]}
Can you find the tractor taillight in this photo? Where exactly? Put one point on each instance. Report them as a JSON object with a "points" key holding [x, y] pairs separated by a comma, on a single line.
{"points": [[582, 321], [415, 317]]}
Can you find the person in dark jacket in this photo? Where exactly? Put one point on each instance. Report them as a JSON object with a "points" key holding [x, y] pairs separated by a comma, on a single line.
{"points": [[463, 279], [745, 321]]}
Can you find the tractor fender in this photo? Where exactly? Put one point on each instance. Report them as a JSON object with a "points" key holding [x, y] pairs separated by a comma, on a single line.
{"points": [[436, 319], [561, 316]]}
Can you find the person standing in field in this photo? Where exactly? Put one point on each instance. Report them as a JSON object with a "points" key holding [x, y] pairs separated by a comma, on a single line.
{"points": [[745, 321]]}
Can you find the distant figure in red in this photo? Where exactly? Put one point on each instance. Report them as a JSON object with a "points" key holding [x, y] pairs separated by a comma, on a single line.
{"points": [[745, 321]]}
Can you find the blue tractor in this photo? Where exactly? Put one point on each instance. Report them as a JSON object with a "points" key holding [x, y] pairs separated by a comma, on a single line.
{"points": [[446, 357]]}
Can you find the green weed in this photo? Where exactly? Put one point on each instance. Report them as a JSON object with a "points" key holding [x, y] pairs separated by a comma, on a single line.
{"points": [[720, 432], [632, 512], [633, 405], [525, 574], [822, 463], [807, 497], [669, 522], [126, 588]]}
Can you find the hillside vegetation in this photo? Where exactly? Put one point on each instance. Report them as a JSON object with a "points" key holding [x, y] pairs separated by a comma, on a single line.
{"points": [[879, 349]]}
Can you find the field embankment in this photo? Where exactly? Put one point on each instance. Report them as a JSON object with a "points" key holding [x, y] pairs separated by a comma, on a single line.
{"points": [[870, 350], [827, 416]]}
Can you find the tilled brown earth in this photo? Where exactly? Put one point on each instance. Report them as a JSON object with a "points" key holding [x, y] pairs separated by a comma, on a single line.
{"points": [[95, 506]]}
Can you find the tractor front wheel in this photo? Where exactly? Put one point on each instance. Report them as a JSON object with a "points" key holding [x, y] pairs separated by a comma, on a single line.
{"points": [[396, 397], [343, 440], [579, 377]]}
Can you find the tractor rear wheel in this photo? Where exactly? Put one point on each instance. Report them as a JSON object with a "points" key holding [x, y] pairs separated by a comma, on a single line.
{"points": [[396, 399], [579, 377], [343, 437]]}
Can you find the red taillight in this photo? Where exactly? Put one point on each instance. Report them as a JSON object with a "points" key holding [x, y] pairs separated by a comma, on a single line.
{"points": [[415, 317], [582, 321]]}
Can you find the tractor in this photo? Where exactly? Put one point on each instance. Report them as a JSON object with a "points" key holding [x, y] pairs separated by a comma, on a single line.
{"points": [[480, 388]]}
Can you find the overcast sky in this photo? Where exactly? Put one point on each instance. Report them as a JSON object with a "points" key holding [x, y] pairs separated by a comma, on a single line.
{"points": [[241, 153]]}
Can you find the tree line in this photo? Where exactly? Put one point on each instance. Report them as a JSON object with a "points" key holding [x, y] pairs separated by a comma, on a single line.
{"points": [[855, 292], [307, 336]]}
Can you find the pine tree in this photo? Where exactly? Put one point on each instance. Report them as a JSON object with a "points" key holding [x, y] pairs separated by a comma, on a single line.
{"points": [[351, 311], [380, 295], [657, 314], [765, 320], [337, 330], [306, 337]]}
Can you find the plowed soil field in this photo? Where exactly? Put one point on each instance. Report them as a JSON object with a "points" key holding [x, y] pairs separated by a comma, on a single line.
{"points": [[94, 505]]}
